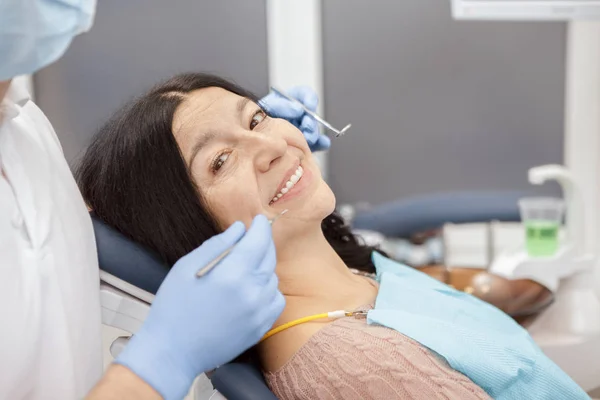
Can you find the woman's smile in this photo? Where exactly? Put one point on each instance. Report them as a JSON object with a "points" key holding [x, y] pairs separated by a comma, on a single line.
{"points": [[293, 185]]}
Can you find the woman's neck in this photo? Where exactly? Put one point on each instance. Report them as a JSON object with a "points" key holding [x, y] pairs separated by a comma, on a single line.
{"points": [[314, 280], [311, 272]]}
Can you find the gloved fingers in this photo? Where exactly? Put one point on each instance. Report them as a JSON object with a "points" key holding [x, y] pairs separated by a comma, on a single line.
{"points": [[309, 128], [296, 122], [305, 95], [272, 305], [214, 246], [323, 143], [267, 267], [279, 107], [277, 303], [253, 247]]}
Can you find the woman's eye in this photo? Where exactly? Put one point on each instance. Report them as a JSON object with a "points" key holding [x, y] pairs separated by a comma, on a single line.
{"points": [[219, 162], [257, 118]]}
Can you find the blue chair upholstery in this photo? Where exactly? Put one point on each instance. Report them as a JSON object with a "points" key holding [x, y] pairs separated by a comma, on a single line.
{"points": [[127, 260], [134, 264], [249, 383], [406, 217]]}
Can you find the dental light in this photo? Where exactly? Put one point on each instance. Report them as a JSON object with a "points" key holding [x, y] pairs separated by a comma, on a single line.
{"points": [[514, 10]]}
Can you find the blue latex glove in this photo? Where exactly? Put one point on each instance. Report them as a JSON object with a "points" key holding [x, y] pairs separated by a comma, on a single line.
{"points": [[196, 324], [280, 107]]}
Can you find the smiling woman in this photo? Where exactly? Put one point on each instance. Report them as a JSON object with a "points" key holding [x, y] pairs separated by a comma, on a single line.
{"points": [[195, 154], [162, 167], [243, 161]]}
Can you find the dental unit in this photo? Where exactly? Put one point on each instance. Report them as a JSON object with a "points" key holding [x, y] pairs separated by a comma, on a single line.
{"points": [[569, 330]]}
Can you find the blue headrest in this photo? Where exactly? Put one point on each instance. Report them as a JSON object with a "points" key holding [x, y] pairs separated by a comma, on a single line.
{"points": [[406, 217], [127, 260], [238, 381], [134, 264]]}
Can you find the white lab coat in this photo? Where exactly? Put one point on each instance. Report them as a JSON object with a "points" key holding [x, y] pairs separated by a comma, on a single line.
{"points": [[50, 332]]}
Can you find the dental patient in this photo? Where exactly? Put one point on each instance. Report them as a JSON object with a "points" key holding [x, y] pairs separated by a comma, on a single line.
{"points": [[197, 153]]}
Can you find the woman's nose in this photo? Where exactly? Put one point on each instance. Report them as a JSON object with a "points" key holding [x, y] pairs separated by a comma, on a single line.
{"points": [[269, 148]]}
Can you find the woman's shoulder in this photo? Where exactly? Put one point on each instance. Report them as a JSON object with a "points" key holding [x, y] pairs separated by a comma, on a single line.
{"points": [[350, 359]]}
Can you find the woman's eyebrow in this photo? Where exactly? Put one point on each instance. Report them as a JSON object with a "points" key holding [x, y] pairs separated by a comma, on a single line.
{"points": [[242, 103], [211, 135], [200, 143]]}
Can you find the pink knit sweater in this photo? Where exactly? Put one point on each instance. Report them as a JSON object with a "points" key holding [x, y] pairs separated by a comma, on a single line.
{"points": [[349, 359]]}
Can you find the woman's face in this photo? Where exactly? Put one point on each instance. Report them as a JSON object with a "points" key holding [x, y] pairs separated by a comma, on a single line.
{"points": [[245, 163]]}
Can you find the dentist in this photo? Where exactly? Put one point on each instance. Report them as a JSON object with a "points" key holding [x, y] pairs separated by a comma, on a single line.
{"points": [[50, 339]]}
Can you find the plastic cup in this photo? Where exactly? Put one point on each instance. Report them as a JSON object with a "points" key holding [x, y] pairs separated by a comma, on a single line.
{"points": [[542, 217]]}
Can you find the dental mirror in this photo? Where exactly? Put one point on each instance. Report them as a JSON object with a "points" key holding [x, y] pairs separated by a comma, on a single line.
{"points": [[326, 124]]}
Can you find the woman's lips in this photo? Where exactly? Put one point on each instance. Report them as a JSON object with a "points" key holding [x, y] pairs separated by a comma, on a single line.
{"points": [[296, 189], [288, 175]]}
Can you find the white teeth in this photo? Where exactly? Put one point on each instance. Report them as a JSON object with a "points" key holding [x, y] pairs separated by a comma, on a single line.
{"points": [[290, 183]]}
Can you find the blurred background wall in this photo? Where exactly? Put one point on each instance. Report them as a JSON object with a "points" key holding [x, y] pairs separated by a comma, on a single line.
{"points": [[435, 104]]}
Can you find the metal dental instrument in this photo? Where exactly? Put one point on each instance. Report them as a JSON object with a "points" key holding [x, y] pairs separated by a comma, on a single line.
{"points": [[326, 124], [206, 269]]}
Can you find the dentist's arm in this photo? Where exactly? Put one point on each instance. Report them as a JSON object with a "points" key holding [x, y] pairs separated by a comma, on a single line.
{"points": [[196, 324], [119, 383]]}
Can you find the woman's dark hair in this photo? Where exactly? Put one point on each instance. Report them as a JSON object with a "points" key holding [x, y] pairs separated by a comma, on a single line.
{"points": [[134, 178]]}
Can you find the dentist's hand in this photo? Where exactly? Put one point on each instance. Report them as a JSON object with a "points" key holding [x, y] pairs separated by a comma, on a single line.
{"points": [[196, 324], [281, 107]]}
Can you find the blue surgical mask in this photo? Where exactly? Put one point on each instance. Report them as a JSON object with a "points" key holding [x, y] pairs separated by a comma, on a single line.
{"points": [[35, 33]]}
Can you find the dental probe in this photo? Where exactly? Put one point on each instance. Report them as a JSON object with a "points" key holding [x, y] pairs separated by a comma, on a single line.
{"points": [[206, 269], [326, 124]]}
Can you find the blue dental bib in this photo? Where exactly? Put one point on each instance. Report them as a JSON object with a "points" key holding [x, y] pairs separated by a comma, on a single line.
{"points": [[475, 338]]}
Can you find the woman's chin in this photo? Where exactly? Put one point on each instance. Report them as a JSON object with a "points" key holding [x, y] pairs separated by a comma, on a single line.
{"points": [[329, 202], [303, 220], [324, 203], [321, 208]]}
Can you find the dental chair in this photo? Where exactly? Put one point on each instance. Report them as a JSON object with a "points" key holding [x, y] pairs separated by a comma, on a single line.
{"points": [[130, 276]]}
